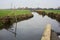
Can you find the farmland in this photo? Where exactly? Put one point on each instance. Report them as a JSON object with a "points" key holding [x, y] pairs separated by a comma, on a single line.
{"points": [[12, 12], [10, 16], [54, 11]]}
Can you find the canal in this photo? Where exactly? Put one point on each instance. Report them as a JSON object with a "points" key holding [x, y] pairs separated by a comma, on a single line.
{"points": [[31, 29]]}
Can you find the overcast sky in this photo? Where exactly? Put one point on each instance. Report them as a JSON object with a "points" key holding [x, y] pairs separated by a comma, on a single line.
{"points": [[29, 3]]}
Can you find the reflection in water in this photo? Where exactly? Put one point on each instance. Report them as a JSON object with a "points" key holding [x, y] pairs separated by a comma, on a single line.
{"points": [[9, 29], [5, 26], [31, 29]]}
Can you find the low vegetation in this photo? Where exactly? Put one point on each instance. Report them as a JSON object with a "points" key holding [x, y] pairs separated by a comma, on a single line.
{"points": [[54, 14], [13, 12], [10, 16], [54, 11]]}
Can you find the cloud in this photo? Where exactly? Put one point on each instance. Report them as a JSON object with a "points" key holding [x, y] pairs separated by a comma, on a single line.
{"points": [[29, 3]]}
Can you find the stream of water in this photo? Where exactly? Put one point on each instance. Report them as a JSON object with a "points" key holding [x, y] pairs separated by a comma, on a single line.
{"points": [[31, 29]]}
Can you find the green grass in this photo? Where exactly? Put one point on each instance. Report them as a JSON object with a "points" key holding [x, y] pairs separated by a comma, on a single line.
{"points": [[13, 13], [55, 11]]}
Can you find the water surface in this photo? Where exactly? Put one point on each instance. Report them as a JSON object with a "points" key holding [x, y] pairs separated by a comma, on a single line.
{"points": [[30, 29]]}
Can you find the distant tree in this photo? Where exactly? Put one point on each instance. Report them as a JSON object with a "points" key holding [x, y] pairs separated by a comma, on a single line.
{"points": [[45, 8], [18, 8], [26, 8], [50, 8], [58, 8]]}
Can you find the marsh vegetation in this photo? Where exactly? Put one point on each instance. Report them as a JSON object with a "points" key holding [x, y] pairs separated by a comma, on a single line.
{"points": [[54, 14], [8, 17]]}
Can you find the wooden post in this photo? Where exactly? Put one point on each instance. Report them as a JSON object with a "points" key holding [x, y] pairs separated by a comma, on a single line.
{"points": [[16, 20]]}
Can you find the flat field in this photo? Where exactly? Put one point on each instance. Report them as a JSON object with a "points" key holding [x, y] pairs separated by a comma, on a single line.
{"points": [[13, 12], [54, 11]]}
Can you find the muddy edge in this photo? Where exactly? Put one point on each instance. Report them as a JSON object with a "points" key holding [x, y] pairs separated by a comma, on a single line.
{"points": [[50, 14], [7, 20]]}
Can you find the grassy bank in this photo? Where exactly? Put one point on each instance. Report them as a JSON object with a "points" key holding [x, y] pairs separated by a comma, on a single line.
{"points": [[10, 16], [54, 14]]}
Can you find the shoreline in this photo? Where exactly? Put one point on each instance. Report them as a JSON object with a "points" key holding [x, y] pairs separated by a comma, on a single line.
{"points": [[50, 14], [9, 20]]}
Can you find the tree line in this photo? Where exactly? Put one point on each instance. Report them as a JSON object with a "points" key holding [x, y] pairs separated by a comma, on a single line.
{"points": [[26, 8]]}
